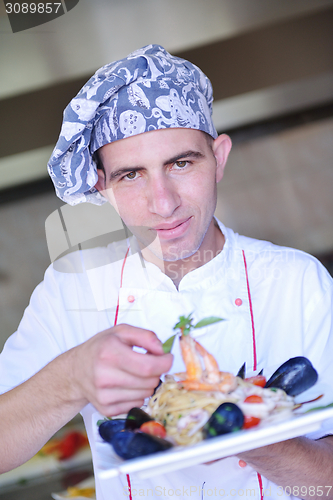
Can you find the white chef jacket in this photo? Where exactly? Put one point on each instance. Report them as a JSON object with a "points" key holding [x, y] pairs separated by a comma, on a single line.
{"points": [[276, 302]]}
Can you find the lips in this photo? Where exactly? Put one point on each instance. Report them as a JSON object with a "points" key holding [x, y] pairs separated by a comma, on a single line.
{"points": [[170, 226], [173, 230]]}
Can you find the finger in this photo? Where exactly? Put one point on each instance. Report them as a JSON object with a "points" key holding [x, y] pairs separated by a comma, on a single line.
{"points": [[109, 377], [108, 397], [145, 365], [120, 408], [119, 355], [133, 336]]}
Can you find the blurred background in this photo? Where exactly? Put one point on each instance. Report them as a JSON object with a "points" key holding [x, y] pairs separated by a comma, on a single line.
{"points": [[271, 65]]}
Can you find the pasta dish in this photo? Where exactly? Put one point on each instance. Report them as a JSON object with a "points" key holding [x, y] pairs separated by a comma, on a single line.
{"points": [[184, 413]]}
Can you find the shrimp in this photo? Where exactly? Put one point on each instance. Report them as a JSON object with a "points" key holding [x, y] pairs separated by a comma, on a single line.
{"points": [[197, 379]]}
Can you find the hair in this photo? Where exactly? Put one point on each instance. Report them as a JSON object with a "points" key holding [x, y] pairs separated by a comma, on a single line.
{"points": [[97, 159], [209, 140], [99, 164]]}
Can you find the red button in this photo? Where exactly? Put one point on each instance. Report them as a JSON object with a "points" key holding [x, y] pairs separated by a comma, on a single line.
{"points": [[238, 302], [131, 298], [241, 463]]}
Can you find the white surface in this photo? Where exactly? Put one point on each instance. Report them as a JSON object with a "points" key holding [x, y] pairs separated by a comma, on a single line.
{"points": [[220, 447]]}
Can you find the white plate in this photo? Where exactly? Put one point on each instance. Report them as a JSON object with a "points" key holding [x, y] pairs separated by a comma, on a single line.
{"points": [[179, 457]]}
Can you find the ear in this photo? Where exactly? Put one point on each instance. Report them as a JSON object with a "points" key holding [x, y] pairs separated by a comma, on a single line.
{"points": [[100, 184], [221, 149], [107, 193]]}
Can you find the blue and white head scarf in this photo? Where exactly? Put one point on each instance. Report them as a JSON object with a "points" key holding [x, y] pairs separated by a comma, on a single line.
{"points": [[148, 90]]}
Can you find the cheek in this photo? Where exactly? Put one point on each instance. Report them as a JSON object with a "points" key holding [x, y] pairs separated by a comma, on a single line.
{"points": [[110, 195], [201, 191], [129, 206]]}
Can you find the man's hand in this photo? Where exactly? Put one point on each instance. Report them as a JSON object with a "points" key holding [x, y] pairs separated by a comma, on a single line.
{"points": [[104, 371], [109, 374], [298, 462]]}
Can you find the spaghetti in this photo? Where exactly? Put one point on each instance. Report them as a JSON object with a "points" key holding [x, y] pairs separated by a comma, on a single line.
{"points": [[184, 413]]}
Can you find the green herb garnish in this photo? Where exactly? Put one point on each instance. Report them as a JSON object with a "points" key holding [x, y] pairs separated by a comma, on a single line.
{"points": [[185, 326]]}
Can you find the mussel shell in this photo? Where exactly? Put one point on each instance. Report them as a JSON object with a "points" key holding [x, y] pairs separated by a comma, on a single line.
{"points": [[135, 418], [228, 417], [294, 376], [128, 444], [158, 385], [241, 371], [110, 427]]}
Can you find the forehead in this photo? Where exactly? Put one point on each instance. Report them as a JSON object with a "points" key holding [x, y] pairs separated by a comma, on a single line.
{"points": [[157, 144]]}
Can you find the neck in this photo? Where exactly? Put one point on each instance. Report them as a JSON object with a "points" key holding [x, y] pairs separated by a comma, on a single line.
{"points": [[211, 246]]}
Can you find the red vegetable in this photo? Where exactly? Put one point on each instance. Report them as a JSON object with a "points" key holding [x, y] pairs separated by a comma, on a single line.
{"points": [[250, 421], [259, 380], [153, 428], [253, 399], [70, 444]]}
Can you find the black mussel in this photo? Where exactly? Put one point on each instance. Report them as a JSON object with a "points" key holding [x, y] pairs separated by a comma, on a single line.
{"points": [[158, 385], [228, 417], [241, 371], [295, 376], [128, 444], [110, 427], [135, 418]]}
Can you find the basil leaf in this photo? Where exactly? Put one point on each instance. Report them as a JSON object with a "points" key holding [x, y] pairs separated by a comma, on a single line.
{"points": [[184, 322], [99, 422], [208, 321], [167, 346], [319, 408]]}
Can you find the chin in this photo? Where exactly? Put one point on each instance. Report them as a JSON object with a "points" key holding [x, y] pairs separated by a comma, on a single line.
{"points": [[173, 252], [173, 257]]}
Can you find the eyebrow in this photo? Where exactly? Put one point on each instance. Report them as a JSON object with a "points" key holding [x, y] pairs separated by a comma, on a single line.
{"points": [[184, 154]]}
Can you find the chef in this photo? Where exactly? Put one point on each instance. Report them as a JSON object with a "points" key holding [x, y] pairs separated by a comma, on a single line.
{"points": [[139, 136]]}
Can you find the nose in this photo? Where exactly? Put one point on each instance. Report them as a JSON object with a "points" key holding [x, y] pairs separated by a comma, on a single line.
{"points": [[162, 195]]}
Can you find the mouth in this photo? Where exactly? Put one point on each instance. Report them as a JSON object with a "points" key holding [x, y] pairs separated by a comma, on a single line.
{"points": [[170, 226], [173, 229]]}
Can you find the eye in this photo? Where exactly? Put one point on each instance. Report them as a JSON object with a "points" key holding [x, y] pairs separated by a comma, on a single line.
{"points": [[181, 163], [130, 176]]}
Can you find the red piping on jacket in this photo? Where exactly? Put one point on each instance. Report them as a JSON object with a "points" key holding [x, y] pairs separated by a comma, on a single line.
{"points": [[260, 486], [251, 313], [254, 350], [115, 322], [130, 487], [121, 284]]}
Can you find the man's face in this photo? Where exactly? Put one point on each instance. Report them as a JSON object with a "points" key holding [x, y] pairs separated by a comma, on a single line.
{"points": [[163, 185]]}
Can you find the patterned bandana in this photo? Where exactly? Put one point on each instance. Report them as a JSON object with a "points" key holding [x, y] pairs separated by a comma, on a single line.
{"points": [[148, 90]]}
